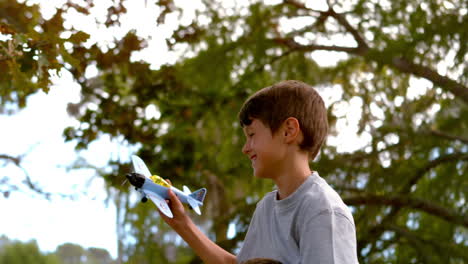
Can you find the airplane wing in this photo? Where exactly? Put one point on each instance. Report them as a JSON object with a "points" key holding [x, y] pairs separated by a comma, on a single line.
{"points": [[140, 167], [161, 204]]}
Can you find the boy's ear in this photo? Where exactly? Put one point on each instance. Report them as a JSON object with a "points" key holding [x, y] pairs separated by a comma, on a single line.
{"points": [[291, 130]]}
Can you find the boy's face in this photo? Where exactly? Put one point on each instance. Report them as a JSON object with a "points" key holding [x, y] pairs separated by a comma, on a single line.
{"points": [[265, 150]]}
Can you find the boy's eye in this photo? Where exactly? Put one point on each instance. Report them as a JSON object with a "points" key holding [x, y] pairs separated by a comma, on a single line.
{"points": [[251, 134]]}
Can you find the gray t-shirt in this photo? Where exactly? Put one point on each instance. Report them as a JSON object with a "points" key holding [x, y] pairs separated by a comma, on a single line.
{"points": [[312, 225]]}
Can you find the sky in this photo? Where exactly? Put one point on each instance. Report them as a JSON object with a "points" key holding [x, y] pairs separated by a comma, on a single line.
{"points": [[36, 133]]}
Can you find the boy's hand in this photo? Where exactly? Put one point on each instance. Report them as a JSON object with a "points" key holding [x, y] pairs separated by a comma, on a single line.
{"points": [[179, 219], [208, 251]]}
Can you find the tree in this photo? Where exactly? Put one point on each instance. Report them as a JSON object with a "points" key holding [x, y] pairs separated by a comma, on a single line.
{"points": [[16, 252], [70, 253], [98, 256], [12, 252], [402, 66], [31, 52]]}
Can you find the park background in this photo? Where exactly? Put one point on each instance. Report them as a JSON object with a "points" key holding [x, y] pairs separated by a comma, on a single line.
{"points": [[85, 84]]}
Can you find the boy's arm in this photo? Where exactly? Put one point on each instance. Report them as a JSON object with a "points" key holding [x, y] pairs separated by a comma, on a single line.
{"points": [[206, 249]]}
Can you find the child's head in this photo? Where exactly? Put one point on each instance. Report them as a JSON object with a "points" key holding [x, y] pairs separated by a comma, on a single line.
{"points": [[261, 261], [274, 104]]}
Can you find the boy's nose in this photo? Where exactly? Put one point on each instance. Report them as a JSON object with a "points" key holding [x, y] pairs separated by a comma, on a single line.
{"points": [[246, 149]]}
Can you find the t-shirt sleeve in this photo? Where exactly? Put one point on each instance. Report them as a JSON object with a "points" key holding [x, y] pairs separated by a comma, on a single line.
{"points": [[328, 238]]}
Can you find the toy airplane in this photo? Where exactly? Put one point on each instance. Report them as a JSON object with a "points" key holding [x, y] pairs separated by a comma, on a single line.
{"points": [[156, 189]]}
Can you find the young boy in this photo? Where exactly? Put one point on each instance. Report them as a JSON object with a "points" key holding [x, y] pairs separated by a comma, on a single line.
{"points": [[304, 220]]}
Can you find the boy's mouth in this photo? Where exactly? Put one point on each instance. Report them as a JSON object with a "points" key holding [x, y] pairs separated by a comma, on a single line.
{"points": [[253, 157]]}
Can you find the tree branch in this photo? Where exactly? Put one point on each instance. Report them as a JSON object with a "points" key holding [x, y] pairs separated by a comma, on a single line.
{"points": [[362, 45], [406, 201], [15, 160], [257, 70], [27, 181], [430, 165], [413, 240], [293, 45], [448, 136], [340, 18], [413, 236], [400, 63], [406, 66], [376, 230], [300, 5]]}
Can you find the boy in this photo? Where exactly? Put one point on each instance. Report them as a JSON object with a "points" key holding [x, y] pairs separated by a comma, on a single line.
{"points": [[304, 220]]}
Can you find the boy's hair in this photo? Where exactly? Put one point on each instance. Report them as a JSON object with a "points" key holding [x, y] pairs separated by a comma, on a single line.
{"points": [[274, 104]]}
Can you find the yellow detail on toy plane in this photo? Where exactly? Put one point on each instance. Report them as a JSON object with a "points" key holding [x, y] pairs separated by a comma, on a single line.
{"points": [[158, 180]]}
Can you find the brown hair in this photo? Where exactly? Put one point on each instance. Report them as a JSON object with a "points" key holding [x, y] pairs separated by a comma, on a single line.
{"points": [[261, 261], [274, 104]]}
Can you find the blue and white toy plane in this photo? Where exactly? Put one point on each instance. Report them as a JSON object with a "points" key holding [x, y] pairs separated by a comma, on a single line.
{"points": [[156, 189]]}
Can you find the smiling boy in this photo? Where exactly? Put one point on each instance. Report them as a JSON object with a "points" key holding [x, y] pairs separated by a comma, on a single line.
{"points": [[304, 220]]}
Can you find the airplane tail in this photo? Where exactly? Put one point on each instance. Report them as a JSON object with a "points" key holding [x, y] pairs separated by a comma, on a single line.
{"points": [[199, 195]]}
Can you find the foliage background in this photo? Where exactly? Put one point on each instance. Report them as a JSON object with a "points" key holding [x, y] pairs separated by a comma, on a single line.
{"points": [[401, 64], [16, 252]]}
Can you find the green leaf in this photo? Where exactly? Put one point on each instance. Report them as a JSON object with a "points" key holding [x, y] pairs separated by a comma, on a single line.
{"points": [[79, 37]]}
